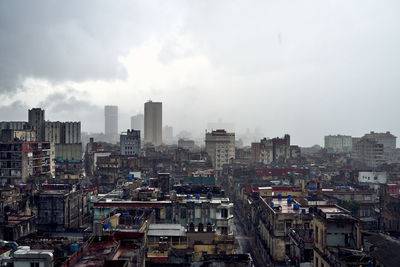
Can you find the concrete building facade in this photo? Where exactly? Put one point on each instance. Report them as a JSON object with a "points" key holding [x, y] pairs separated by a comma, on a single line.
{"points": [[59, 210], [130, 143], [387, 139], [338, 143], [368, 152], [153, 123], [36, 118], [14, 125], [335, 229], [72, 131], [269, 150], [220, 146], [19, 160]]}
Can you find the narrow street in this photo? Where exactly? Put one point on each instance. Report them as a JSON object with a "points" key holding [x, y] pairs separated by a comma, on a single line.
{"points": [[246, 243]]}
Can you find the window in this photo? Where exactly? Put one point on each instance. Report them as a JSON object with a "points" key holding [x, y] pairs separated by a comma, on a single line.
{"points": [[224, 213], [35, 264]]}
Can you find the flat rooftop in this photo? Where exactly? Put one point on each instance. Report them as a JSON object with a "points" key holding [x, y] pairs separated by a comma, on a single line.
{"points": [[287, 208], [166, 230]]}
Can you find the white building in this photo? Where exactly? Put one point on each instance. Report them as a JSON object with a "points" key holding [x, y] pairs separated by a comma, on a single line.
{"points": [[372, 177], [220, 146], [130, 143], [338, 143]]}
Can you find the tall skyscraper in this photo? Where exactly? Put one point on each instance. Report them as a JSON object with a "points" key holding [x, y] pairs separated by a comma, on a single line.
{"points": [[153, 123], [137, 122], [36, 120], [168, 134], [111, 122]]}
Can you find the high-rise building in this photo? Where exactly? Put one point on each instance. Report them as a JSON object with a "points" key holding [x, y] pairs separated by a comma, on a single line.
{"points": [[36, 120], [130, 143], [20, 160], [153, 123], [137, 122], [168, 134], [111, 121], [387, 139], [220, 146], [369, 152], [338, 143], [63, 132]]}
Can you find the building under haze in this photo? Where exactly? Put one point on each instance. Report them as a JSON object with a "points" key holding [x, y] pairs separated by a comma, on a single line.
{"points": [[137, 122], [111, 122], [153, 123], [220, 147], [338, 143], [168, 134], [387, 139]]}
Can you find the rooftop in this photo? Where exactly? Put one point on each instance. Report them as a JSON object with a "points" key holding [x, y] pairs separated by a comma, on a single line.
{"points": [[166, 230], [286, 207]]}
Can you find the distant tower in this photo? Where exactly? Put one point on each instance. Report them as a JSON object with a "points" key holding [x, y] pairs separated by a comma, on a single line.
{"points": [[137, 122], [111, 121], [36, 120], [153, 123]]}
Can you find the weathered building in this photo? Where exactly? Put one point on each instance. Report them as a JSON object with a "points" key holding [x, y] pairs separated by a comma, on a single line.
{"points": [[60, 209], [338, 143], [130, 143], [220, 146], [337, 235], [20, 160]]}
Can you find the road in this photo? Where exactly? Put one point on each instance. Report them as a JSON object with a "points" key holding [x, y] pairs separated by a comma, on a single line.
{"points": [[246, 243]]}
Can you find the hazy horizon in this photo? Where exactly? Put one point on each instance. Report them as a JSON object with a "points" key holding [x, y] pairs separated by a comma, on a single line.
{"points": [[306, 68]]}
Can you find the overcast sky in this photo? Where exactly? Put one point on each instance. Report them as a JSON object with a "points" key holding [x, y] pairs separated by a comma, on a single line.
{"points": [[307, 68]]}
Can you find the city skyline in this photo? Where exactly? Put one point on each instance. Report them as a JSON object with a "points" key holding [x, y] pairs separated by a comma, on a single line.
{"points": [[259, 66]]}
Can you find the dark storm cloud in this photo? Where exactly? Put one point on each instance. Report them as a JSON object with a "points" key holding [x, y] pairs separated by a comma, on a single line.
{"points": [[16, 111], [71, 40], [64, 107]]}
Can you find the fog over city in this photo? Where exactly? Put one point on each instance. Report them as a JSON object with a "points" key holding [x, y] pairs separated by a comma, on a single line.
{"points": [[306, 68]]}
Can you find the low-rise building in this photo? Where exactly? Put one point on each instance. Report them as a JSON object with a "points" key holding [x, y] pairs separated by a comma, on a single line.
{"points": [[273, 220], [337, 238], [60, 208]]}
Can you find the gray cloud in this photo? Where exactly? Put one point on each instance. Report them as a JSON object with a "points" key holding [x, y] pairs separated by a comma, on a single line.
{"points": [[71, 40], [16, 111], [308, 68], [64, 107]]}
